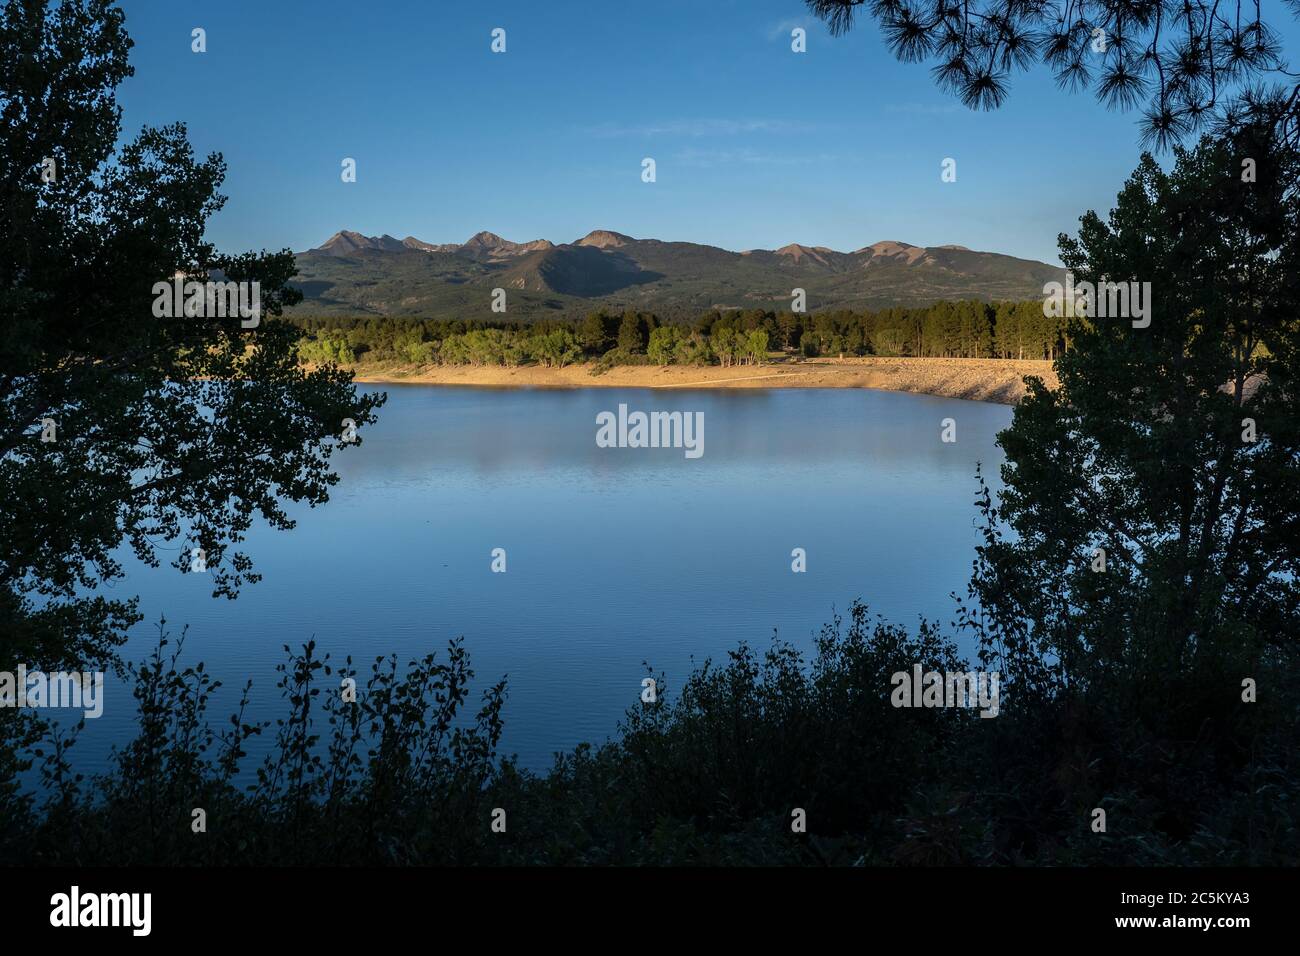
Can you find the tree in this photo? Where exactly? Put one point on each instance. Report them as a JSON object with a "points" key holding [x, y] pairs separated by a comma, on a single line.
{"points": [[556, 348], [663, 344], [631, 333], [171, 432], [723, 344], [1191, 62], [789, 330], [593, 333], [1174, 448], [410, 346], [977, 329], [1004, 330], [454, 351], [888, 341], [1030, 323], [694, 350], [326, 348], [822, 333]]}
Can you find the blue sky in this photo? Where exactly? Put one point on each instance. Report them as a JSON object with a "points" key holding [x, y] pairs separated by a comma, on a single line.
{"points": [[755, 146]]}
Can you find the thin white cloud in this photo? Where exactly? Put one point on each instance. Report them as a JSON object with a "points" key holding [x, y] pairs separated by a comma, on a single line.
{"points": [[926, 109], [709, 158], [697, 128], [782, 28]]}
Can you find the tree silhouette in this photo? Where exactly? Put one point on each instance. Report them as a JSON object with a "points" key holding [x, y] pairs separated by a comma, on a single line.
{"points": [[169, 435], [1173, 448], [1186, 64]]}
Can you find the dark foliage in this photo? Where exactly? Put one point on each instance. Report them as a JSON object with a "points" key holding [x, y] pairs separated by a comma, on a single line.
{"points": [[1186, 64], [169, 434], [1124, 686]]}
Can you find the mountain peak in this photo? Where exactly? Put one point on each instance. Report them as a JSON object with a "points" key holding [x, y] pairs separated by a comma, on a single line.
{"points": [[491, 246], [604, 239], [411, 242], [344, 236], [345, 242], [892, 250], [887, 247], [799, 252], [486, 240]]}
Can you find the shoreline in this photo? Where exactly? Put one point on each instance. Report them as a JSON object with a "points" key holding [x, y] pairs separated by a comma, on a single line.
{"points": [[981, 380]]}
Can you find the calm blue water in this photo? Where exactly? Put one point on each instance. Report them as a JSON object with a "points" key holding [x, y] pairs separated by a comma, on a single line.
{"points": [[615, 556]]}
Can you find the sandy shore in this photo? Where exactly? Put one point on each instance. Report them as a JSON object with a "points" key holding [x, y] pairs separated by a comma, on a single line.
{"points": [[983, 380]]}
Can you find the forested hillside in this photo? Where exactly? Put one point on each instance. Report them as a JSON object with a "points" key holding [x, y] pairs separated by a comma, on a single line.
{"points": [[967, 329], [356, 275]]}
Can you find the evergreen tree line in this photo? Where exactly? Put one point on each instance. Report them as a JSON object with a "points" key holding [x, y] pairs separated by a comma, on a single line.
{"points": [[968, 329]]}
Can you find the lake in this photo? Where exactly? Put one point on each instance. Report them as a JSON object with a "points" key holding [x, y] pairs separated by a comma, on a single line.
{"points": [[614, 556]]}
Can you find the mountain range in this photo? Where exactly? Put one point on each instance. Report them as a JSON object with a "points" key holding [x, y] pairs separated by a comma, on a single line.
{"points": [[357, 275]]}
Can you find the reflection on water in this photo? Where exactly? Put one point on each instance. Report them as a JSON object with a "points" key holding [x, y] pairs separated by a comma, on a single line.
{"points": [[615, 556]]}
